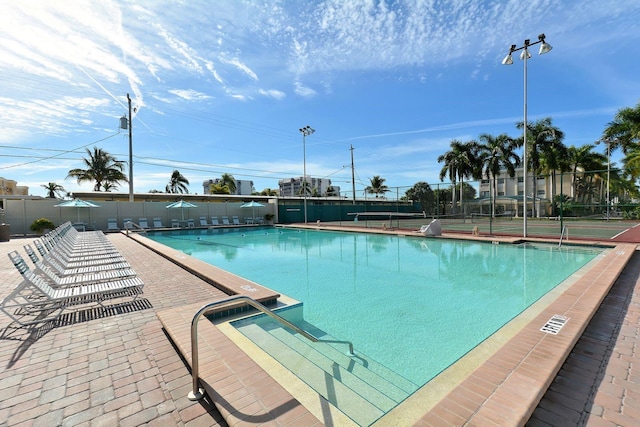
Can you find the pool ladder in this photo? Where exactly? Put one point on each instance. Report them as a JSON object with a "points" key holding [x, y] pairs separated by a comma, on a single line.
{"points": [[197, 393], [565, 231]]}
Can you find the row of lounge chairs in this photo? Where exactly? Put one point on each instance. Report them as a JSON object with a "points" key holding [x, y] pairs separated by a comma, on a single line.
{"points": [[143, 223], [71, 269]]}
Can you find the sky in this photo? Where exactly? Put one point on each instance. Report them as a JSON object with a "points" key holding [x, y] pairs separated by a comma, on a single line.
{"points": [[224, 86]]}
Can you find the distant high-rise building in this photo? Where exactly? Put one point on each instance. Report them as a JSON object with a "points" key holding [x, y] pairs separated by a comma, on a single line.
{"points": [[243, 187], [317, 187]]}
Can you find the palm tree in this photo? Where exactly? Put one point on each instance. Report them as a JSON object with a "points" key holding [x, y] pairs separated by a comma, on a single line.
{"points": [[624, 130], [228, 180], [542, 137], [54, 190], [101, 167], [108, 186], [269, 192], [422, 192], [177, 183], [218, 189], [460, 162], [496, 153], [376, 186], [586, 159]]}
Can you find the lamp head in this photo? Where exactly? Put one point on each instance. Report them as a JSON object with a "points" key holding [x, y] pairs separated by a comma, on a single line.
{"points": [[525, 54], [508, 60], [544, 47]]}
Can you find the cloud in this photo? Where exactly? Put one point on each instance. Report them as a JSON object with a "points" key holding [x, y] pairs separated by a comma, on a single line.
{"points": [[272, 93], [303, 90], [190, 94]]}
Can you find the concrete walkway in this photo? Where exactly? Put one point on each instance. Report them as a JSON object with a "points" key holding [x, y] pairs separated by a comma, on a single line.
{"points": [[122, 370]]}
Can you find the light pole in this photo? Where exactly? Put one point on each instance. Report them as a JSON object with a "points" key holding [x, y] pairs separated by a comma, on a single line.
{"points": [[508, 60], [126, 124], [305, 131], [608, 141]]}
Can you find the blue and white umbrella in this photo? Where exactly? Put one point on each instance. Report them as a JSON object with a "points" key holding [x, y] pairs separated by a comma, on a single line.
{"points": [[77, 203], [252, 205], [181, 204]]}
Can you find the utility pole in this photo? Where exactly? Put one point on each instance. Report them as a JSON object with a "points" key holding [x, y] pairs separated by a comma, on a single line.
{"points": [[353, 176], [130, 152]]}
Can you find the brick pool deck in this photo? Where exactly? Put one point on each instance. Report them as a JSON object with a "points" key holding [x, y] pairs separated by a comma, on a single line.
{"points": [[121, 369]]}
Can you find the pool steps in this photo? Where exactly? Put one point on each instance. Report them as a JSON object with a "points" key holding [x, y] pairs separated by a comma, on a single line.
{"points": [[362, 393]]}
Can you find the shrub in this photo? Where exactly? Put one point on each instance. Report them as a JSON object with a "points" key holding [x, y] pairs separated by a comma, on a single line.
{"points": [[39, 225]]}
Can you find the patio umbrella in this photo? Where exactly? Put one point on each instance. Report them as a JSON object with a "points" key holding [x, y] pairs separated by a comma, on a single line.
{"points": [[252, 205], [180, 204], [77, 203]]}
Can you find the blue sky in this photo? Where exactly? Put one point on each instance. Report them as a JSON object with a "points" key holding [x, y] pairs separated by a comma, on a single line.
{"points": [[223, 86]]}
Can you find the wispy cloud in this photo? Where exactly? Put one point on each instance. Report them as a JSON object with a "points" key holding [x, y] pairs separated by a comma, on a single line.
{"points": [[189, 94]]}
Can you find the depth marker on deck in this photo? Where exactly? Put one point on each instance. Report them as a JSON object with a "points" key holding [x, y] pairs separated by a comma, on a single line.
{"points": [[554, 324]]}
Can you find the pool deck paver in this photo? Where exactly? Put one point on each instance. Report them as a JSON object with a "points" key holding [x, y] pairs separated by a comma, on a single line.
{"points": [[123, 370]]}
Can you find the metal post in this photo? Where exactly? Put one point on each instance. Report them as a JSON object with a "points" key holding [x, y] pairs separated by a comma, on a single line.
{"points": [[608, 175], [305, 131], [544, 48], [524, 182], [130, 152]]}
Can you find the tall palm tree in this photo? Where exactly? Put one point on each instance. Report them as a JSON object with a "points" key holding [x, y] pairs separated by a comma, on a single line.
{"points": [[586, 159], [542, 137], [460, 162], [177, 183], [101, 167], [497, 153], [54, 190], [624, 131], [555, 160], [228, 180], [376, 186], [108, 186]]}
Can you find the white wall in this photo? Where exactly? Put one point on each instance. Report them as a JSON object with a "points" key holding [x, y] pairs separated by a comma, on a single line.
{"points": [[19, 214]]}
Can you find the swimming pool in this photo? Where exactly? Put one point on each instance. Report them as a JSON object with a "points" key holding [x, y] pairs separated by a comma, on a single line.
{"points": [[412, 305]]}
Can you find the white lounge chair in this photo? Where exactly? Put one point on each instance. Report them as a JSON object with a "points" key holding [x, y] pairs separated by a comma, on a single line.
{"points": [[35, 301], [157, 222], [191, 223], [203, 221], [214, 220], [235, 220], [50, 273], [225, 220], [143, 223], [175, 223], [128, 223]]}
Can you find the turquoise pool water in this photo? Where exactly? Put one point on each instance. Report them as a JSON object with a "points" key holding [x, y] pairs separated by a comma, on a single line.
{"points": [[412, 304]]}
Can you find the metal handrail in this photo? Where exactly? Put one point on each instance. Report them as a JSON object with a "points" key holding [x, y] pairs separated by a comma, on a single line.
{"points": [[198, 393], [564, 228], [135, 226]]}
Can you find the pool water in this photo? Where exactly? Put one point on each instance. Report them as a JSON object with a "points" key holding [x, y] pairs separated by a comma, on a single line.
{"points": [[412, 304]]}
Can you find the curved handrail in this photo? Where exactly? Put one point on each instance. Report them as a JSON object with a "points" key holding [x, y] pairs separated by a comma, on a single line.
{"points": [[197, 393]]}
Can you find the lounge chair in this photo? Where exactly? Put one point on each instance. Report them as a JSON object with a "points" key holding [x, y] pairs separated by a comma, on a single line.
{"points": [[112, 224], [35, 301], [235, 220], [191, 223], [50, 273], [225, 220], [203, 221], [214, 220], [78, 261], [128, 223], [157, 223], [143, 223], [63, 269]]}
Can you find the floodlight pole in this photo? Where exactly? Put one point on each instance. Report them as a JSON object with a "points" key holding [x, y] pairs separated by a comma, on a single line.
{"points": [[305, 131], [508, 60]]}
